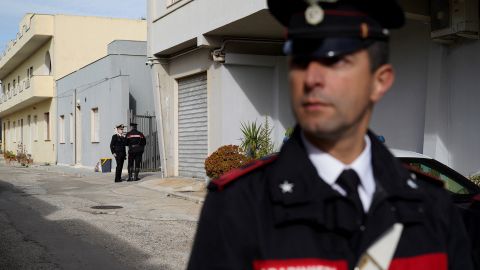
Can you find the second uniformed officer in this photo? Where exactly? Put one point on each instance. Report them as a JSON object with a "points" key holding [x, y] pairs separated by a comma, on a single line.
{"points": [[136, 145], [334, 190], [117, 147]]}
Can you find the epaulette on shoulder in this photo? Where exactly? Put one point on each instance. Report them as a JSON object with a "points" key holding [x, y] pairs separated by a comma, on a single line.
{"points": [[220, 183], [420, 175]]}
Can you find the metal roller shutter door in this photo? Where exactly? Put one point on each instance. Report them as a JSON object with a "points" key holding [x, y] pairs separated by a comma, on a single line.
{"points": [[192, 126]]}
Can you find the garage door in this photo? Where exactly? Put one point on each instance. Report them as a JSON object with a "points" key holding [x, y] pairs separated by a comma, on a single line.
{"points": [[192, 126]]}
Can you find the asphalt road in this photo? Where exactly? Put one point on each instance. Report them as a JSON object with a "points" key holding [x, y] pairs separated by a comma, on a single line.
{"points": [[47, 222]]}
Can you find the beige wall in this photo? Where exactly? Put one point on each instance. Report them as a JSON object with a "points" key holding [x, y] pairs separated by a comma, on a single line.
{"points": [[81, 40], [40, 147]]}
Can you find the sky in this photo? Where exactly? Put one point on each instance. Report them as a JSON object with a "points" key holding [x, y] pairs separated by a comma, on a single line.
{"points": [[12, 11]]}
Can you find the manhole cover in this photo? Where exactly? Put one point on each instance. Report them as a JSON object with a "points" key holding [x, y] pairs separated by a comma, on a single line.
{"points": [[106, 207]]}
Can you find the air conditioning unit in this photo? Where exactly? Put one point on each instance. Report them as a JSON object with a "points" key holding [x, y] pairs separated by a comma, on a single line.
{"points": [[454, 19]]}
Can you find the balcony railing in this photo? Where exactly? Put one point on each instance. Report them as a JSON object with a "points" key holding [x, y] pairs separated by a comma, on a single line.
{"points": [[40, 88], [39, 31]]}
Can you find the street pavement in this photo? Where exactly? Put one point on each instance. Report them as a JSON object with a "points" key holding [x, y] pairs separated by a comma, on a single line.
{"points": [[53, 217]]}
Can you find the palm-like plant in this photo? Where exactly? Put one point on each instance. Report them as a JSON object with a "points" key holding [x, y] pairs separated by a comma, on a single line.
{"points": [[251, 138], [257, 141]]}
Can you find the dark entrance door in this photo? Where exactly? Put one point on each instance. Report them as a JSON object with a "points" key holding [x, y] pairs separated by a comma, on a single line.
{"points": [[151, 156]]}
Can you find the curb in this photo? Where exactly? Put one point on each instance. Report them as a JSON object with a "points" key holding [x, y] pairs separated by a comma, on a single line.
{"points": [[179, 195], [149, 183]]}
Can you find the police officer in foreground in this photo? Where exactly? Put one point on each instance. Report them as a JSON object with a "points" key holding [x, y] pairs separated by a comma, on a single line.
{"points": [[136, 145], [117, 147], [334, 191]]}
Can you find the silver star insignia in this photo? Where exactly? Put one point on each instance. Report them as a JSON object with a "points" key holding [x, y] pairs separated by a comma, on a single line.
{"points": [[286, 187]]}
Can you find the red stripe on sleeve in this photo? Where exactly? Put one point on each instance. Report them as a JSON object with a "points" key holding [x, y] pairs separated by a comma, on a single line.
{"points": [[301, 264], [437, 261]]}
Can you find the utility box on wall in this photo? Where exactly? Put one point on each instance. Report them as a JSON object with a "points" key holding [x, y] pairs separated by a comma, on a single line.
{"points": [[454, 19]]}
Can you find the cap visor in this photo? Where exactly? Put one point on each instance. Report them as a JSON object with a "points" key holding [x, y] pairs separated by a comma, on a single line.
{"points": [[324, 48]]}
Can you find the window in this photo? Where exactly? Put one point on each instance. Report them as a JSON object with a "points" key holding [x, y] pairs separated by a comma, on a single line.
{"points": [[14, 83], [95, 127], [29, 75], [61, 129], [30, 135], [48, 63], [72, 130], [20, 131], [35, 128], [46, 133], [450, 183]]}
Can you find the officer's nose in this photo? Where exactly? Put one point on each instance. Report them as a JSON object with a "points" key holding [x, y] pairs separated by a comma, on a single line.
{"points": [[315, 75]]}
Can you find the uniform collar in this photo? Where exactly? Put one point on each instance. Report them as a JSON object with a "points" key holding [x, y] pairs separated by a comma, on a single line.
{"points": [[313, 199], [329, 168]]}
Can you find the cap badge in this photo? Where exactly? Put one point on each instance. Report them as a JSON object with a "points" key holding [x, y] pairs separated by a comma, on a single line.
{"points": [[314, 14], [286, 187]]}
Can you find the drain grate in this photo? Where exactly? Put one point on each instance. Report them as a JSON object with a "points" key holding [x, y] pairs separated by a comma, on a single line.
{"points": [[103, 207]]}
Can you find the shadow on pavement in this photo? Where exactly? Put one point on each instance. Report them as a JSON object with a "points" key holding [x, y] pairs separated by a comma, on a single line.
{"points": [[28, 240]]}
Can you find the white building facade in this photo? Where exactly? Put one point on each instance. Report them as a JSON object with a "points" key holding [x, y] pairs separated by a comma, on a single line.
{"points": [[216, 64]]}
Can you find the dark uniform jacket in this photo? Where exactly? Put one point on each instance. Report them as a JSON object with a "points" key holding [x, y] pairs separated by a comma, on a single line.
{"points": [[248, 223], [117, 145], [136, 141]]}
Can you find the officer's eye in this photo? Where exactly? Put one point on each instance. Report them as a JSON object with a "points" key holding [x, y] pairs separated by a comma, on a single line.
{"points": [[331, 61]]}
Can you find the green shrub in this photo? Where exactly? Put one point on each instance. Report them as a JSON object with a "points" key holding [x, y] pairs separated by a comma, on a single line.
{"points": [[224, 159], [266, 145], [9, 155], [475, 179]]}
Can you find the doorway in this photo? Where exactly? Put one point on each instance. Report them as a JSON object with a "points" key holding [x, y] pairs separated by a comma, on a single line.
{"points": [[21, 133], [30, 135]]}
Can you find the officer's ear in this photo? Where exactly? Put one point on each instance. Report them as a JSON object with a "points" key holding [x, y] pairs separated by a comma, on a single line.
{"points": [[383, 79]]}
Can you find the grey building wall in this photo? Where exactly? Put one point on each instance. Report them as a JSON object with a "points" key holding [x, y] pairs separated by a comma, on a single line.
{"points": [[400, 115], [114, 84], [128, 58], [461, 108]]}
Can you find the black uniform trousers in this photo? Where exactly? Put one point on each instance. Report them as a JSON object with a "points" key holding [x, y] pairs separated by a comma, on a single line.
{"points": [[134, 160], [120, 159]]}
